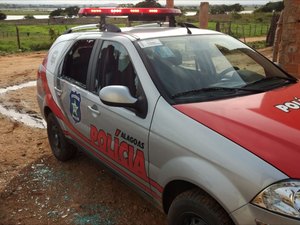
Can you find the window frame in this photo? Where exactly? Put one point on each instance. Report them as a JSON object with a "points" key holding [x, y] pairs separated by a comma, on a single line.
{"points": [[96, 67], [63, 65]]}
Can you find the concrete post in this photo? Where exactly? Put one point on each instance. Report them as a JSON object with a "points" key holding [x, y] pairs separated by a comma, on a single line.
{"points": [[289, 49], [170, 4], [203, 15]]}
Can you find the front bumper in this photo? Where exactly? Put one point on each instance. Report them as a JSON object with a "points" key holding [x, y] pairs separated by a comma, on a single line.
{"points": [[253, 215]]}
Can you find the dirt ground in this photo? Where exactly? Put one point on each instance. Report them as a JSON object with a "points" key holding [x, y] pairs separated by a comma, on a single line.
{"points": [[37, 189]]}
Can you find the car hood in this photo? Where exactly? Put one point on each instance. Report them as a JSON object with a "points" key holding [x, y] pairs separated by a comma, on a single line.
{"points": [[266, 124]]}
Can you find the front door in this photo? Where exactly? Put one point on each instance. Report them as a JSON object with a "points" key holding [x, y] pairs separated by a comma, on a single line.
{"points": [[119, 137]]}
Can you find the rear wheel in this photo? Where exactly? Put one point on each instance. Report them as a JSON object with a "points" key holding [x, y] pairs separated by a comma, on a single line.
{"points": [[195, 208], [62, 149]]}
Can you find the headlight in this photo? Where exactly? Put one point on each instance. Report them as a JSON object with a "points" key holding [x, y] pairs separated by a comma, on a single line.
{"points": [[283, 197]]}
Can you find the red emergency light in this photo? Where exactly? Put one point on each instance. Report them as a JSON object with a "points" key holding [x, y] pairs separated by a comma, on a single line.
{"points": [[160, 12], [133, 14]]}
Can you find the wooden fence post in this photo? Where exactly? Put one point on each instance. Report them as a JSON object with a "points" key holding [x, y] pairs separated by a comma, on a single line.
{"points": [[18, 38], [218, 28], [250, 30], [272, 29], [244, 33]]}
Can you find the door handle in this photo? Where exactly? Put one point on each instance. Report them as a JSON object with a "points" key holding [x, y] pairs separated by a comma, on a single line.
{"points": [[94, 110], [58, 91]]}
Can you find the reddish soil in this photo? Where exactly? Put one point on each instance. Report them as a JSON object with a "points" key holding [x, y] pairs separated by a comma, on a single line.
{"points": [[37, 189]]}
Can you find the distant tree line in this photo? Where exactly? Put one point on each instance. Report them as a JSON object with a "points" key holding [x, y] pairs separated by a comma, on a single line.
{"points": [[29, 17], [69, 12], [73, 11], [143, 4], [222, 9], [271, 6], [214, 9], [2, 16], [148, 4]]}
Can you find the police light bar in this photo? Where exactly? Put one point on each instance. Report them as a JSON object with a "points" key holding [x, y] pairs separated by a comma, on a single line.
{"points": [[129, 12]]}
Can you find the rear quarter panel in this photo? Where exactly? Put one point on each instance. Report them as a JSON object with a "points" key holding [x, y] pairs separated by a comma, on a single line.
{"points": [[48, 71]]}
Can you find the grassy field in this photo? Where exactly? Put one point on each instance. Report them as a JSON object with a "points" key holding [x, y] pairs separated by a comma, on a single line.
{"points": [[32, 37], [40, 37], [25, 12]]}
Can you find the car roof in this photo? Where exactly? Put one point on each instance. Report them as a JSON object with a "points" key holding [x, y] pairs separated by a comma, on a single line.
{"points": [[153, 32], [136, 33]]}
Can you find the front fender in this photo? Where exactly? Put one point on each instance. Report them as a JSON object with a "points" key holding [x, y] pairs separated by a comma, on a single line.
{"points": [[206, 176], [185, 150]]}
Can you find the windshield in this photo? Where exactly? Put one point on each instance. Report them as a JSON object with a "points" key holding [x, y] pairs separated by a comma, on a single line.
{"points": [[209, 67]]}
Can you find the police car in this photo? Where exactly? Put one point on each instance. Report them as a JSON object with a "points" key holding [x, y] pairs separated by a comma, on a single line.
{"points": [[195, 120]]}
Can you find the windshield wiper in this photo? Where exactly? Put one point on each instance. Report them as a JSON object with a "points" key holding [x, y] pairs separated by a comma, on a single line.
{"points": [[271, 81], [214, 89]]}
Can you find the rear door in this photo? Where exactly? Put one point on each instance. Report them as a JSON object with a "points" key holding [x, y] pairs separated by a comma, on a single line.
{"points": [[71, 89]]}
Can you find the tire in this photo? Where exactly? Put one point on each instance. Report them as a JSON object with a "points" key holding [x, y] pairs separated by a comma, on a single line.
{"points": [[195, 208], [61, 148]]}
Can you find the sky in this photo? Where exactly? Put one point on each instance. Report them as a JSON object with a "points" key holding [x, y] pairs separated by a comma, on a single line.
{"points": [[163, 2]]}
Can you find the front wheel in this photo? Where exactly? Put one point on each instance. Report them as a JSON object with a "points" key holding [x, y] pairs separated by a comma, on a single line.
{"points": [[195, 208], [62, 149]]}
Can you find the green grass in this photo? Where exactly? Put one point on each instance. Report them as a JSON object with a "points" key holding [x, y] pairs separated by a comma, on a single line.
{"points": [[240, 30], [257, 44], [37, 37], [246, 30], [32, 37], [24, 12]]}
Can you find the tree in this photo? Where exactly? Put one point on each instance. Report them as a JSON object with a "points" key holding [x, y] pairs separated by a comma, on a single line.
{"points": [[236, 16], [2, 16], [148, 4], [222, 9], [271, 6], [57, 12], [236, 8], [218, 9], [72, 11], [129, 5], [29, 17]]}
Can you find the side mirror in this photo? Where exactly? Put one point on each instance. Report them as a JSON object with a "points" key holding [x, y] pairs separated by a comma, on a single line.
{"points": [[117, 95]]}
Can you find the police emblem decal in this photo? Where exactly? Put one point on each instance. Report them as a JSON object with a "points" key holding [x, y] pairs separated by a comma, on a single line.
{"points": [[75, 100]]}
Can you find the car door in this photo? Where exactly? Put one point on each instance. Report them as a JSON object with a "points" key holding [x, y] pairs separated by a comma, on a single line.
{"points": [[119, 135], [71, 88]]}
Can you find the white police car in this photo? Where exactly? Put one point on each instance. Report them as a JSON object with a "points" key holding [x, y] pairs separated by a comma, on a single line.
{"points": [[197, 121]]}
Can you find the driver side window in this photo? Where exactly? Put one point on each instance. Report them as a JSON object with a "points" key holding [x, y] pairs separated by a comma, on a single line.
{"points": [[115, 68]]}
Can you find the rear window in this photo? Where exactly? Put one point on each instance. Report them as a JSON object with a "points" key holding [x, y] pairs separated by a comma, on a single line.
{"points": [[76, 62]]}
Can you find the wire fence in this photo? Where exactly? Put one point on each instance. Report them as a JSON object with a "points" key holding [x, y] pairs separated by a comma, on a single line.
{"points": [[243, 30], [24, 38], [14, 39]]}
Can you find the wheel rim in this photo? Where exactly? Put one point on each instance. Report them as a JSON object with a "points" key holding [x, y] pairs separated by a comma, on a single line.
{"points": [[56, 142], [193, 219]]}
